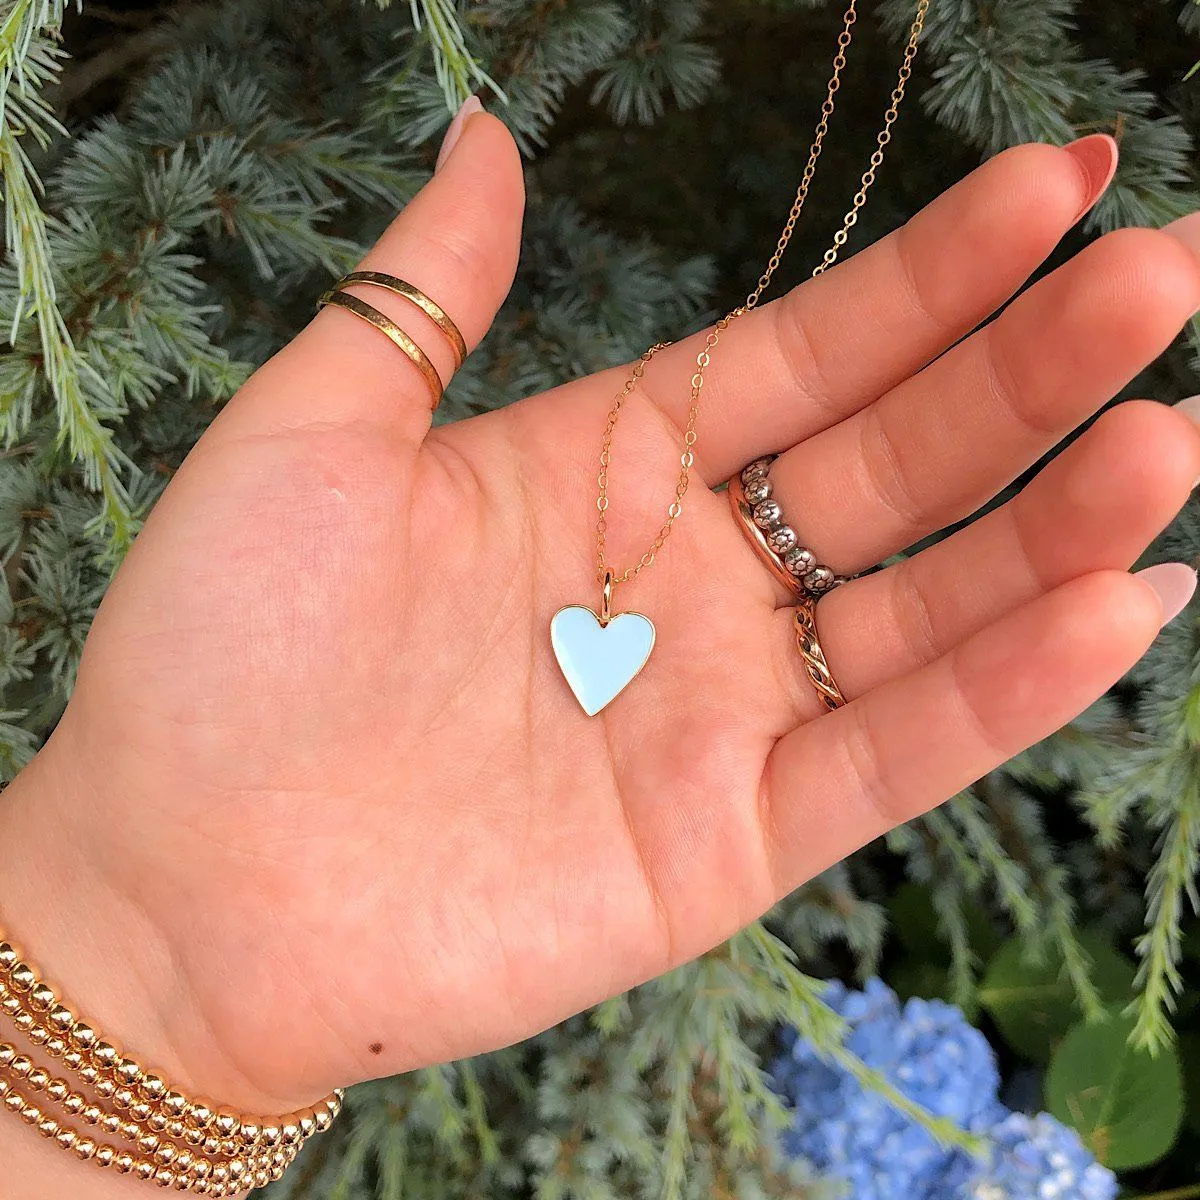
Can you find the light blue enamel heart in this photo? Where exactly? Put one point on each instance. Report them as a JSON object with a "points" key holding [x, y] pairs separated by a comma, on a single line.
{"points": [[599, 660]]}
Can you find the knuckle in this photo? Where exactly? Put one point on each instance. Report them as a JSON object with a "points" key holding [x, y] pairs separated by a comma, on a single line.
{"points": [[888, 474]]}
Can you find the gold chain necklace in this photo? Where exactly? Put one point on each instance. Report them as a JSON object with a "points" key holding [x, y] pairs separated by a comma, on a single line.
{"points": [[600, 653]]}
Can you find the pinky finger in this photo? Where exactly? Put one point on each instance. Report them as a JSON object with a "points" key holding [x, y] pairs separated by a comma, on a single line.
{"points": [[840, 781]]}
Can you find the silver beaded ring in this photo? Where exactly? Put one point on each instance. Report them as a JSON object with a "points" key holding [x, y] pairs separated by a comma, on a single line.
{"points": [[750, 493]]}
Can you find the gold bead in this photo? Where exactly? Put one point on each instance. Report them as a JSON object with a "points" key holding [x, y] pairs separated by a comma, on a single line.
{"points": [[49, 1128], [144, 1169], [31, 1114], [290, 1134], [200, 1187], [72, 1059], [21, 1066], [262, 1177], [91, 1115], [130, 1131], [152, 1085], [202, 1168], [183, 1183], [111, 1124], [122, 1098], [23, 1021], [164, 1177], [251, 1132], [308, 1125], [105, 1156], [10, 1004], [157, 1121], [105, 1055], [58, 1090], [212, 1147], [230, 1146], [39, 1035], [123, 1163], [270, 1135], [175, 1104], [85, 1148], [88, 1074], [220, 1173], [39, 1077], [61, 1018], [8, 956], [176, 1130], [105, 1087], [7, 1053], [141, 1111], [237, 1168], [199, 1113], [83, 1035], [75, 1103], [193, 1137], [165, 1153], [67, 1138], [5, 1088], [42, 997], [56, 1047], [14, 1101], [149, 1142], [184, 1160], [21, 977], [226, 1123]]}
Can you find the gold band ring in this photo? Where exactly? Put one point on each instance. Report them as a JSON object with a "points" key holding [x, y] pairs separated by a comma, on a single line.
{"points": [[430, 308], [805, 620], [389, 328]]}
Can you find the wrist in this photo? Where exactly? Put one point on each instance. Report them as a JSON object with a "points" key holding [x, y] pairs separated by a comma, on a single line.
{"points": [[65, 901]]}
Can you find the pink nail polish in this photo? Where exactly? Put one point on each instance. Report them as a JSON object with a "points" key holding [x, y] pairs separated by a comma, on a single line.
{"points": [[470, 106], [1175, 584], [1096, 155]]}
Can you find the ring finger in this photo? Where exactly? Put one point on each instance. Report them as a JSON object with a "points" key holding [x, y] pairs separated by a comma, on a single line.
{"points": [[935, 448], [1096, 507]]}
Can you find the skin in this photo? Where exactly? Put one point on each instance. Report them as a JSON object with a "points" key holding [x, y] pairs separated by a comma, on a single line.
{"points": [[321, 807]]}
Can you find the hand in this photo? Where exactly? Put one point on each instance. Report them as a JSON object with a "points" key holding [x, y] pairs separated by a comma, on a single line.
{"points": [[322, 807]]}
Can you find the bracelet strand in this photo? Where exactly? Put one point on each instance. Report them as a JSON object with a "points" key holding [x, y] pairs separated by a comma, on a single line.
{"points": [[176, 1142]]}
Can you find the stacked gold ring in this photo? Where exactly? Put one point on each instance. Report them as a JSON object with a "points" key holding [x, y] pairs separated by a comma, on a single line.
{"points": [[778, 547], [339, 296]]}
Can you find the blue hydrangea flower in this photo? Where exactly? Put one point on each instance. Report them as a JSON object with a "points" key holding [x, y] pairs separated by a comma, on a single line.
{"points": [[1036, 1158], [936, 1058]]}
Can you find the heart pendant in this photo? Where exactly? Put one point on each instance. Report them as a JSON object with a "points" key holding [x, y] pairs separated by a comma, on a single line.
{"points": [[598, 659]]}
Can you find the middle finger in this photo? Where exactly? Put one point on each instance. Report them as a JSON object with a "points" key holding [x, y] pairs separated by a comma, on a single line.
{"points": [[938, 446]]}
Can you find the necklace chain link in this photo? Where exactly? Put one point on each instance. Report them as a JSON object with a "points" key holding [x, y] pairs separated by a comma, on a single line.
{"points": [[687, 458]]}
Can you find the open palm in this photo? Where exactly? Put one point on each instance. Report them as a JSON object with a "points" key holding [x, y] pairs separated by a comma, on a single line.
{"points": [[319, 740]]}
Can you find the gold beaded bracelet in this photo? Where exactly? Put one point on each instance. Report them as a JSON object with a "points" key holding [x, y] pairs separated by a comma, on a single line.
{"points": [[188, 1145]]}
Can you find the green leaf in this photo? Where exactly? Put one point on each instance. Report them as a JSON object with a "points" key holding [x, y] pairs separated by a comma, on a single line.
{"points": [[1126, 1105], [1033, 1003]]}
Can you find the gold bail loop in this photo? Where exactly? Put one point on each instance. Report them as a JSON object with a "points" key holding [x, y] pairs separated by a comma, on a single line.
{"points": [[610, 582]]}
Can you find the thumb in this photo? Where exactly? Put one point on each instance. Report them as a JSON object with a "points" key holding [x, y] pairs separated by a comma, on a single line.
{"points": [[458, 242]]}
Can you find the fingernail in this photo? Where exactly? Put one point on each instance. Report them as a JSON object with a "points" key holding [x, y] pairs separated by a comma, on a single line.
{"points": [[1096, 156], [470, 106], [1175, 584], [1187, 230]]}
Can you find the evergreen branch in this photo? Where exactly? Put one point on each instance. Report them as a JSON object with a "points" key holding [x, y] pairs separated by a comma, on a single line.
{"points": [[1171, 879], [458, 71], [28, 61]]}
